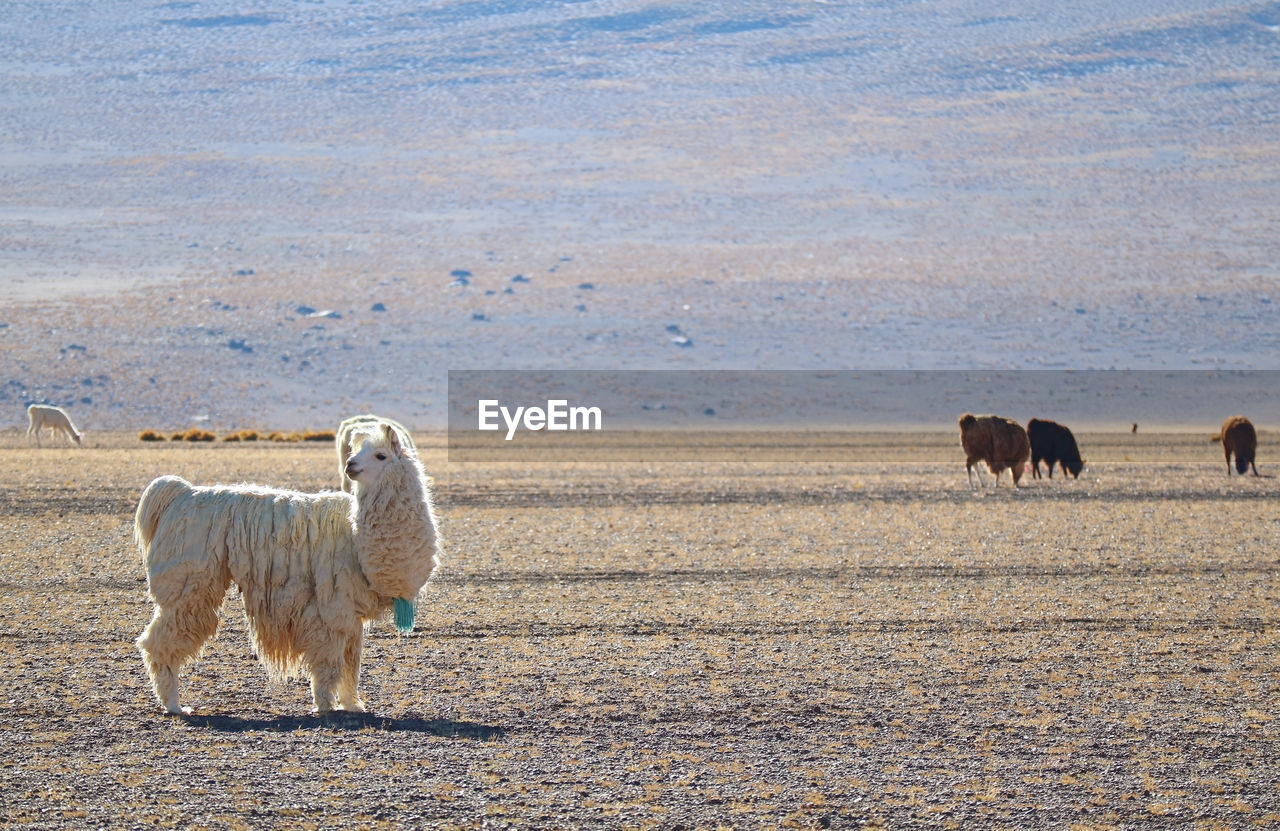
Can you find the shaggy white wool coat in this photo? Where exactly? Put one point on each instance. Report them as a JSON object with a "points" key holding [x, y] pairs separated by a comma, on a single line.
{"points": [[313, 568]]}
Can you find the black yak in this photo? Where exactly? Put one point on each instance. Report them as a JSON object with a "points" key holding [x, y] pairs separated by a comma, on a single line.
{"points": [[1053, 443]]}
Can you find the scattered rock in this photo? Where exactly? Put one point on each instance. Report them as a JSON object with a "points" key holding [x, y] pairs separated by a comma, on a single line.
{"points": [[244, 272], [305, 311], [378, 307], [519, 278], [479, 316], [682, 341], [586, 286], [240, 346]]}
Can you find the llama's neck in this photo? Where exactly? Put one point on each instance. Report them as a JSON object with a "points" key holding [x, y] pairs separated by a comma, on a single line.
{"points": [[394, 532]]}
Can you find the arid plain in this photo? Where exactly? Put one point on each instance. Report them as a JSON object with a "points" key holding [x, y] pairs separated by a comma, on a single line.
{"points": [[230, 219], [683, 645]]}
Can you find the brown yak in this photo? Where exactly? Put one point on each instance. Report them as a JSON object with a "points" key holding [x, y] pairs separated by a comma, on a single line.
{"points": [[1000, 442], [1239, 437]]}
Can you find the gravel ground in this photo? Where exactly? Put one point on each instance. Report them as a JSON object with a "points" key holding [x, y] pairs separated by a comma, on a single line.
{"points": [[689, 645]]}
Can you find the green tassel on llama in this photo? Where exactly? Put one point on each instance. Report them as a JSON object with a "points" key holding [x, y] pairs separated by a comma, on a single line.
{"points": [[404, 614]]}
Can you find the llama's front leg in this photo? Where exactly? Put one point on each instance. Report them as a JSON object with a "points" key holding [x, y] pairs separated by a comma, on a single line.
{"points": [[324, 679], [348, 695], [326, 673]]}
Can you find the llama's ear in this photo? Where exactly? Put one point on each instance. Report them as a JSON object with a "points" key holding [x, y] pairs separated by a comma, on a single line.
{"points": [[393, 437]]}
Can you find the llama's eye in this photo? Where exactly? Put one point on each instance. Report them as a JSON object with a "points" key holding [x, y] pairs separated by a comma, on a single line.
{"points": [[382, 457]]}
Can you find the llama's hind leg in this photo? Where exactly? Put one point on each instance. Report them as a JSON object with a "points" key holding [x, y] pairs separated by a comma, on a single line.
{"points": [[174, 637]]}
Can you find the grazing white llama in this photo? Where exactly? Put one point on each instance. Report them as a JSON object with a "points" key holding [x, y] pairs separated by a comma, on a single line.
{"points": [[313, 568], [343, 440], [40, 416]]}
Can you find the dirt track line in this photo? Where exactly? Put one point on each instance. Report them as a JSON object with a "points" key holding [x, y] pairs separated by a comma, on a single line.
{"points": [[123, 502], [836, 573], [931, 626]]}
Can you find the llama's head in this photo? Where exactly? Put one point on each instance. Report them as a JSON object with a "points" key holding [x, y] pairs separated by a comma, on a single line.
{"points": [[374, 449]]}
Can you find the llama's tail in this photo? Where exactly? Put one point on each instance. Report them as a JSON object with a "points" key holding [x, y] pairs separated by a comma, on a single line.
{"points": [[155, 500]]}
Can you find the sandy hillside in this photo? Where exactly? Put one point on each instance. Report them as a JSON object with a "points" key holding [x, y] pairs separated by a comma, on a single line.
{"points": [[279, 218]]}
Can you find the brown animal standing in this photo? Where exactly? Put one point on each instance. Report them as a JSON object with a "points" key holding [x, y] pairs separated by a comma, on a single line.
{"points": [[1000, 442], [1239, 437]]}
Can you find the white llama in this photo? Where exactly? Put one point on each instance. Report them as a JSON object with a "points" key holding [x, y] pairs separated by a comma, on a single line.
{"points": [[313, 567], [40, 416]]}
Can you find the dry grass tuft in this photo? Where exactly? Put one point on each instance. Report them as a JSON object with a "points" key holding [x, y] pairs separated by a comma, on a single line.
{"points": [[194, 434], [303, 435]]}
